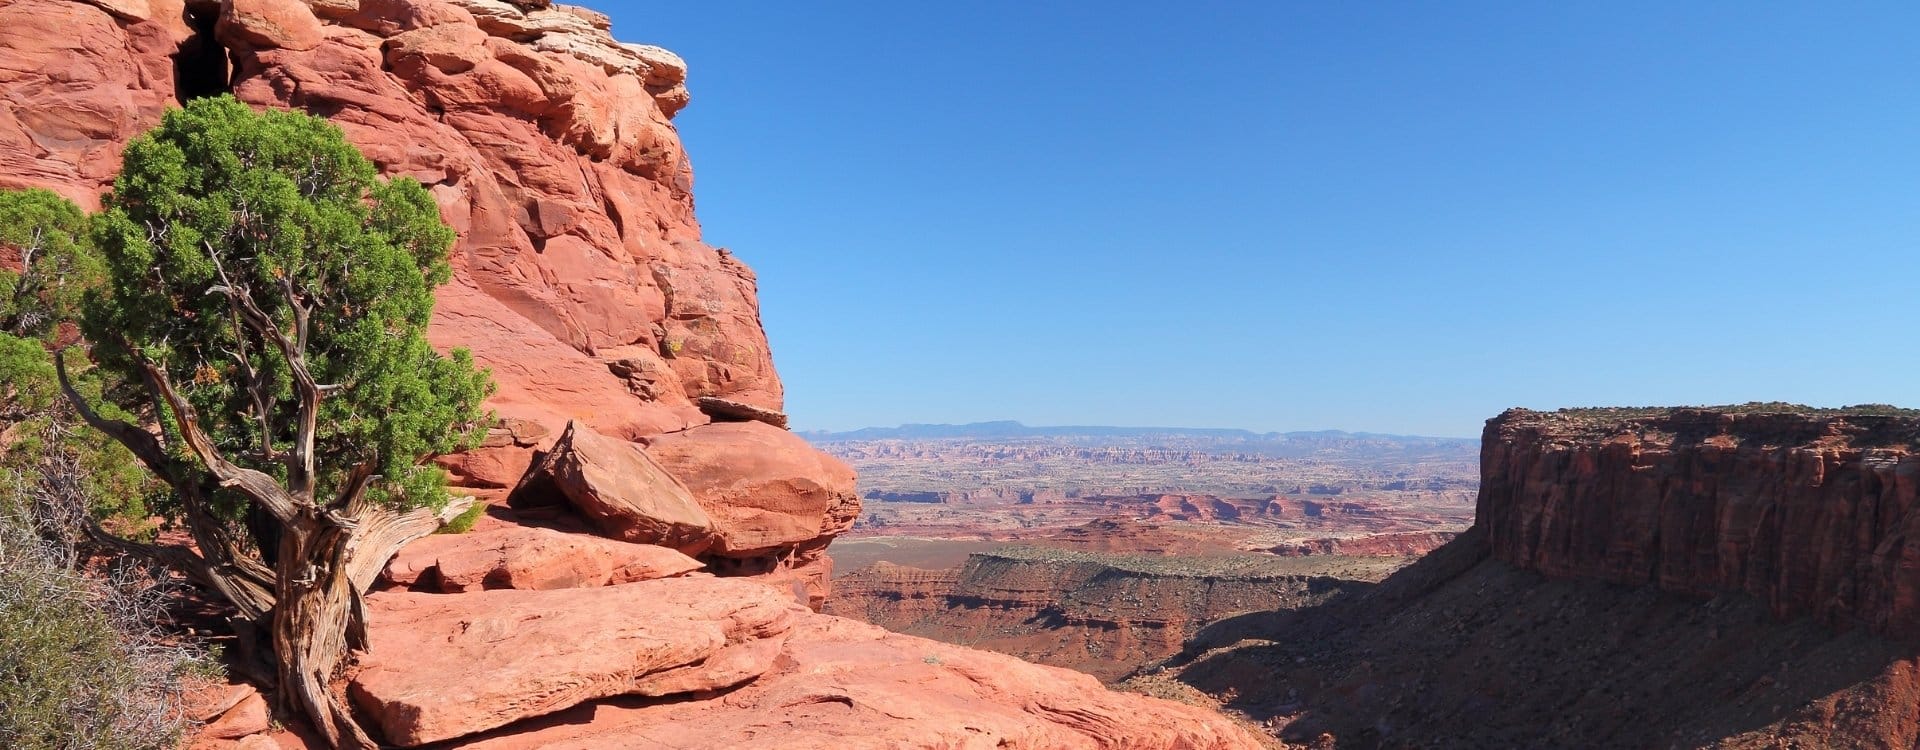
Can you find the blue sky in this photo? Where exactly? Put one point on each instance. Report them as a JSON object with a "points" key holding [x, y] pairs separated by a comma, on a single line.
{"points": [[1395, 217]]}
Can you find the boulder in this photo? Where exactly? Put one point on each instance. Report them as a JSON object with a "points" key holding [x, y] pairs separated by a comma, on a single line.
{"points": [[765, 488], [269, 24], [724, 410], [618, 488], [442, 666], [250, 716], [845, 685], [529, 558], [500, 460]]}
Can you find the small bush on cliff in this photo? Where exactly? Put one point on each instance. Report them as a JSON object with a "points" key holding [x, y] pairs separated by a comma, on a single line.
{"points": [[46, 265], [83, 668], [464, 522], [260, 341]]}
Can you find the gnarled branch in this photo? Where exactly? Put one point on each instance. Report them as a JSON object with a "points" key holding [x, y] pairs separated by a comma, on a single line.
{"points": [[257, 485], [141, 443]]}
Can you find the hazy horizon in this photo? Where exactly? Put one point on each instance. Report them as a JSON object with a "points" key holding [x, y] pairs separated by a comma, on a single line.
{"points": [[1285, 216], [806, 430]]}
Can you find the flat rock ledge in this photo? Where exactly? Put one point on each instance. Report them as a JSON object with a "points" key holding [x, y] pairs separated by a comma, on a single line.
{"points": [[838, 684], [531, 558], [442, 666]]}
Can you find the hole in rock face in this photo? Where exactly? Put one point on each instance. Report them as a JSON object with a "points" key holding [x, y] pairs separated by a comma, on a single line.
{"points": [[200, 66]]}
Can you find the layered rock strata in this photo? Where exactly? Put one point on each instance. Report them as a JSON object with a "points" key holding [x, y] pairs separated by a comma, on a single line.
{"points": [[1103, 614], [1815, 513], [1731, 577]]}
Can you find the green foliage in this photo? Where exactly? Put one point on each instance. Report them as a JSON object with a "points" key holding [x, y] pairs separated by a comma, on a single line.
{"points": [[43, 234], [464, 522], [81, 669], [221, 203]]}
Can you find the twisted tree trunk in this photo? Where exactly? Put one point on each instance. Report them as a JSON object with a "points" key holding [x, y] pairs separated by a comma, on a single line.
{"points": [[326, 565]]}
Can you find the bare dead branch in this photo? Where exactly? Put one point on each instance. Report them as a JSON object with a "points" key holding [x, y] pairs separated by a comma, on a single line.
{"points": [[141, 443], [256, 485], [301, 470]]}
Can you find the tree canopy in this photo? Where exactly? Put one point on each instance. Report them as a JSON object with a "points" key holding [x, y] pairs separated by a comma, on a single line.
{"points": [[257, 265]]}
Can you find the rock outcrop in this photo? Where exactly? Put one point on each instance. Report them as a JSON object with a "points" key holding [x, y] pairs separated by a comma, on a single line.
{"points": [[1815, 513], [529, 558], [440, 667], [1734, 577], [843, 685], [619, 489], [580, 277]]}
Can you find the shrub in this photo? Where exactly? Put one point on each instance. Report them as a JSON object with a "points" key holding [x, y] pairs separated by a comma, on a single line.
{"points": [[464, 522], [83, 667]]}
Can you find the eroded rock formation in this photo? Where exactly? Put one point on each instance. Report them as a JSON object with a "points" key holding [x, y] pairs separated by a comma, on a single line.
{"points": [[1103, 614], [1731, 578], [1815, 514]]}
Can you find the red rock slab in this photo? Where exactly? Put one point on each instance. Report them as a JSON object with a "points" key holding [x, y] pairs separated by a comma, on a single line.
{"points": [[766, 488], [529, 558], [844, 685], [448, 665], [619, 489], [251, 716]]}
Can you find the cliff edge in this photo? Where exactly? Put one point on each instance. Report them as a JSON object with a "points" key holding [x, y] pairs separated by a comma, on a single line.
{"points": [[1728, 577], [1813, 512]]}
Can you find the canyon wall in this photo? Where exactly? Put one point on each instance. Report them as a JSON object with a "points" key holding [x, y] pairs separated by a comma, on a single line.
{"points": [[1813, 513], [1734, 577], [1103, 614]]}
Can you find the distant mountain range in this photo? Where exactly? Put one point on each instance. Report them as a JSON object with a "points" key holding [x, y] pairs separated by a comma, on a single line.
{"points": [[1008, 429]]}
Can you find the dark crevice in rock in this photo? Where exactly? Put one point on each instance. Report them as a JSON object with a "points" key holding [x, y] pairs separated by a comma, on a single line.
{"points": [[201, 67]]}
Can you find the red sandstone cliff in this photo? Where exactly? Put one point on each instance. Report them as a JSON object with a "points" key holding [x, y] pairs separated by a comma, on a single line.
{"points": [[581, 280], [1815, 514], [1739, 577]]}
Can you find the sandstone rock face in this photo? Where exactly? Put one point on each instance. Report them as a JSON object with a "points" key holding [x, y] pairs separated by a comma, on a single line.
{"points": [[521, 557], [1816, 514], [267, 24], [619, 489], [844, 685], [548, 144], [502, 458], [767, 489], [444, 666], [776, 502]]}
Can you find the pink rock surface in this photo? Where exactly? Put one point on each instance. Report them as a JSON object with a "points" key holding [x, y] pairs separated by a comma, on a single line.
{"points": [[765, 487], [844, 685], [448, 665], [249, 716], [528, 558], [619, 489], [548, 144], [265, 24]]}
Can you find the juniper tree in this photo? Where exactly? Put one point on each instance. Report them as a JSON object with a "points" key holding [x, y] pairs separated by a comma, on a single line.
{"points": [[265, 305]]}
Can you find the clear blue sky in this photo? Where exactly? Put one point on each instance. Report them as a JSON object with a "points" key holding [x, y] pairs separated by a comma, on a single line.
{"points": [[1397, 217]]}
